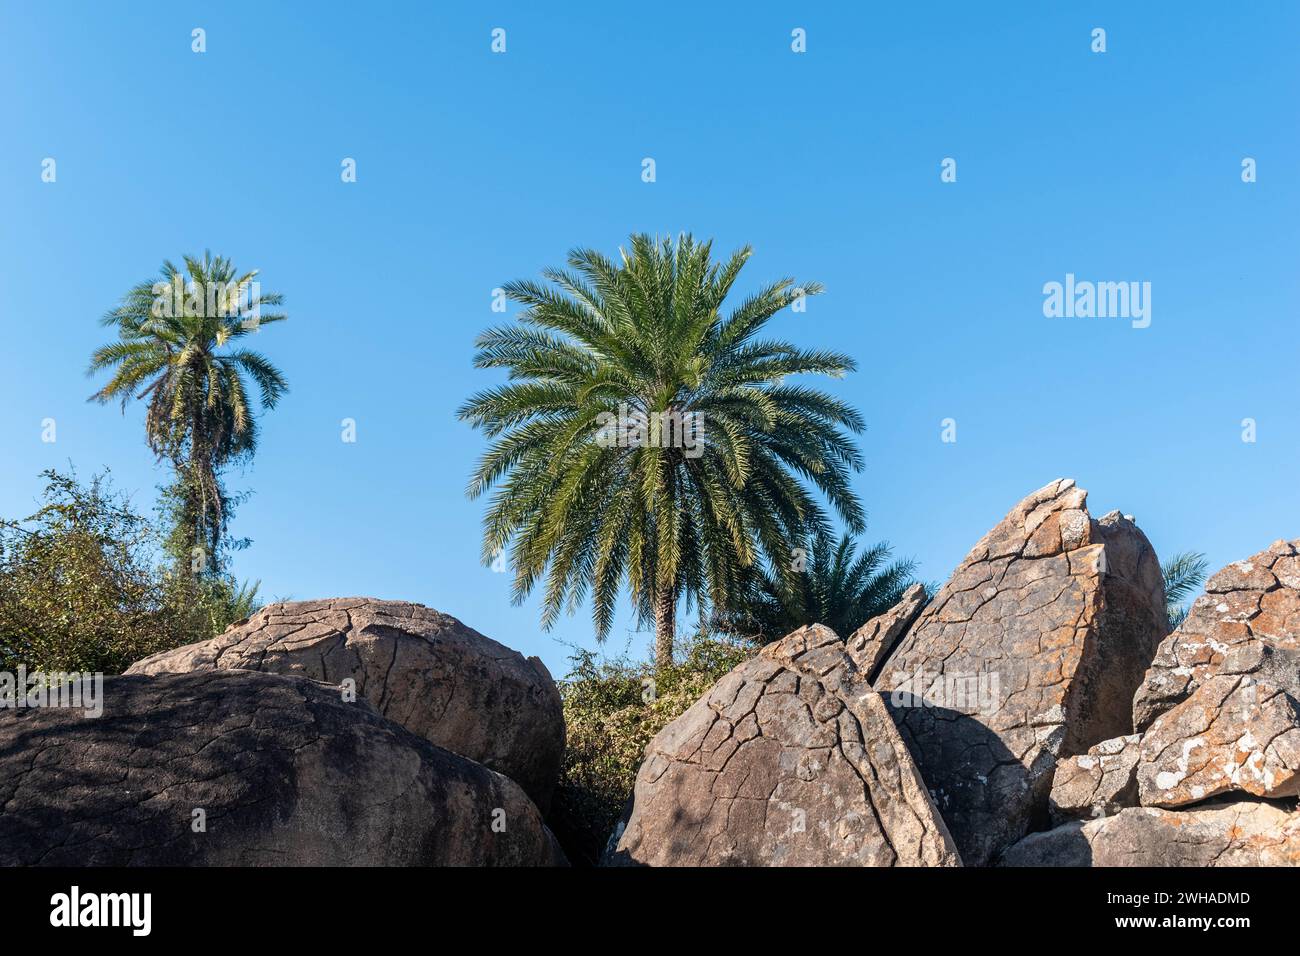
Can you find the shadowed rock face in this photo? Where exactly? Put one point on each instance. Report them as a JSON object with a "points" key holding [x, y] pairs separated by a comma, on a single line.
{"points": [[1030, 652], [421, 668], [791, 759], [1246, 623], [1247, 833], [284, 771]]}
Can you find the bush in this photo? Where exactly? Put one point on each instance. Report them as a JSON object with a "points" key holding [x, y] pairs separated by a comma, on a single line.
{"points": [[612, 709], [83, 586]]}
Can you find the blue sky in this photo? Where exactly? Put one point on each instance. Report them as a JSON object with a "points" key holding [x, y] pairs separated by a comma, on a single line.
{"points": [[474, 168]]}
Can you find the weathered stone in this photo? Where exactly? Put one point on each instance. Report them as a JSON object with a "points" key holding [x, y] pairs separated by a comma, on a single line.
{"points": [[421, 668], [1247, 622], [284, 772], [871, 644], [790, 759], [1030, 652], [1099, 783], [1231, 734], [1246, 833]]}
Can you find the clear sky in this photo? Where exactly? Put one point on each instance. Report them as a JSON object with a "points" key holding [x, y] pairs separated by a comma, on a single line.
{"points": [[474, 168]]}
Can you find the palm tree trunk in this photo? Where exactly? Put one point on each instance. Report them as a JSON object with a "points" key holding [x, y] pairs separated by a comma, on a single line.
{"points": [[665, 625]]}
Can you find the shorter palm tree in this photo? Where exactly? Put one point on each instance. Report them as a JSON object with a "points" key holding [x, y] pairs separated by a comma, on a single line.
{"points": [[836, 587], [1184, 573]]}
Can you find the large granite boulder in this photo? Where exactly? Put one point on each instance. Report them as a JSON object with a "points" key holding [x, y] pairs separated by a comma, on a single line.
{"points": [[421, 668], [225, 767], [1247, 623], [1030, 652], [1246, 833], [790, 759]]}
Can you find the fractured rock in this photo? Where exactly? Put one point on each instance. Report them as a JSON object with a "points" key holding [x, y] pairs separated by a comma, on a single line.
{"points": [[1245, 833], [1099, 783], [789, 760], [871, 644], [1030, 652], [421, 668], [1231, 734], [1247, 622], [276, 769]]}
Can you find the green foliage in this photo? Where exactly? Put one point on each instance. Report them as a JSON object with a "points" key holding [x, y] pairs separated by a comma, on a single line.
{"points": [[1184, 574], [612, 709], [585, 509], [173, 352], [82, 588], [179, 512], [837, 587]]}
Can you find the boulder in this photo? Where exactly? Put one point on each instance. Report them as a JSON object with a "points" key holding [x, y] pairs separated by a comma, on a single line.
{"points": [[1246, 833], [226, 767], [790, 759], [871, 644], [1099, 783], [1029, 653], [421, 668], [1233, 734], [1247, 622]]}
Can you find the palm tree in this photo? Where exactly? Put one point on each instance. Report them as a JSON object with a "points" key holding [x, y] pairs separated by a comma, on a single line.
{"points": [[834, 585], [1184, 573], [176, 351], [644, 436]]}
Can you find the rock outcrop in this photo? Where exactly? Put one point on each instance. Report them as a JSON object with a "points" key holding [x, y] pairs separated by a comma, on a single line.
{"points": [[1218, 708], [1246, 833], [227, 767], [421, 668], [1247, 622], [1099, 783], [1219, 728], [1031, 652], [790, 759]]}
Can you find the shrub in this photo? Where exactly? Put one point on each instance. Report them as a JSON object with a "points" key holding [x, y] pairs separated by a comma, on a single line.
{"points": [[612, 709], [83, 586]]}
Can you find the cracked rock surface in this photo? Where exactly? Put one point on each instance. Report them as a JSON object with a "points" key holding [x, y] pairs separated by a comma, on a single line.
{"points": [[1247, 622], [790, 759], [1245, 833], [1029, 653], [283, 770], [421, 668], [1099, 783], [1218, 728], [1232, 734]]}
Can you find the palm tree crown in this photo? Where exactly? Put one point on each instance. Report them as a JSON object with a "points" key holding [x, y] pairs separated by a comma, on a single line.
{"points": [[645, 436], [176, 351], [833, 585], [1183, 574]]}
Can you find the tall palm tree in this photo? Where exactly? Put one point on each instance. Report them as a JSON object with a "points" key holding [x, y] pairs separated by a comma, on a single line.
{"points": [[176, 350], [1183, 573], [590, 492], [836, 586]]}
